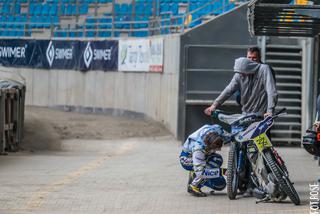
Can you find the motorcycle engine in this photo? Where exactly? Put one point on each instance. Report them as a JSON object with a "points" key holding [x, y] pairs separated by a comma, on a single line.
{"points": [[252, 153]]}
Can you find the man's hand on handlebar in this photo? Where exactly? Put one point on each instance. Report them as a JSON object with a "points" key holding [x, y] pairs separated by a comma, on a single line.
{"points": [[208, 111], [267, 114]]}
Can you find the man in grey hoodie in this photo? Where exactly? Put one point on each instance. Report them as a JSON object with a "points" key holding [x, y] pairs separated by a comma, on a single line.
{"points": [[257, 88], [258, 92]]}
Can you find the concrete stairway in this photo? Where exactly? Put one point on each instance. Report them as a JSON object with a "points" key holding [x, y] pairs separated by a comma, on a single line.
{"points": [[287, 62]]}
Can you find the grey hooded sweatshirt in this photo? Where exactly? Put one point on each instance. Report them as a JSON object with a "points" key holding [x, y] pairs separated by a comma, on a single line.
{"points": [[256, 84]]}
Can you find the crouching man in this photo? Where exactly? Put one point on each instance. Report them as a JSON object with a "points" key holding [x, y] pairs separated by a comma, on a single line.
{"points": [[200, 158]]}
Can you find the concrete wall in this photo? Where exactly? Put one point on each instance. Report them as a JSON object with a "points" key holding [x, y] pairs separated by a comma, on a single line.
{"points": [[153, 95]]}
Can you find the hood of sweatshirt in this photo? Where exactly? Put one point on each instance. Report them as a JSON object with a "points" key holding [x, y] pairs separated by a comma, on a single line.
{"points": [[245, 66]]}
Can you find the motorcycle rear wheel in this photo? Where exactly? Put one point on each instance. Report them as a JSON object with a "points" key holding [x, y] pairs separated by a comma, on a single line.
{"points": [[232, 175]]}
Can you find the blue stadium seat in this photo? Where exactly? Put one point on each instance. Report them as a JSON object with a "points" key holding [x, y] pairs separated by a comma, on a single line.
{"points": [[80, 34], [217, 8], [83, 9], [19, 33], [5, 9], [126, 9], [90, 34], [20, 20], [45, 10], [38, 9], [17, 9], [53, 11], [126, 19], [12, 33], [164, 7], [104, 34], [117, 8], [71, 10], [195, 23], [91, 23], [105, 23], [32, 9], [231, 6], [118, 19], [193, 6], [116, 34], [3, 21], [63, 34], [178, 21], [73, 34], [10, 21], [140, 34], [63, 10], [139, 8], [46, 21], [55, 20], [34, 22]]}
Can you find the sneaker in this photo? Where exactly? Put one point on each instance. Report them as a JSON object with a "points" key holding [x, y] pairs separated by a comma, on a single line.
{"points": [[258, 193], [248, 192], [195, 191]]}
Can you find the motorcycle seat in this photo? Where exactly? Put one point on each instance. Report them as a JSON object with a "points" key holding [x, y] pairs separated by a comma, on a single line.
{"points": [[230, 119]]}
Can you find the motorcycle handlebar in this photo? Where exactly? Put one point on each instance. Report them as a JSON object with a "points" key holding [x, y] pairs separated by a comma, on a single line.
{"points": [[311, 131], [280, 111]]}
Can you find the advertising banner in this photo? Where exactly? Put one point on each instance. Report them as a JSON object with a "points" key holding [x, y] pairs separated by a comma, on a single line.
{"points": [[141, 55], [98, 55], [59, 54], [56, 54], [17, 53], [134, 55], [156, 55]]}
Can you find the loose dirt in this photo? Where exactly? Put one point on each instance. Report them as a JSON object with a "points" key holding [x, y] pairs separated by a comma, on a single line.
{"points": [[45, 128]]}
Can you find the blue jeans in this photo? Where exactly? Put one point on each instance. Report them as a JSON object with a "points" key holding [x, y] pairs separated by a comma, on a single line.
{"points": [[213, 161]]}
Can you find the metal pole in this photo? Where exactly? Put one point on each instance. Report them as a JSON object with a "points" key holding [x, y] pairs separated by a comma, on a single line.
{"points": [[262, 43], [308, 96]]}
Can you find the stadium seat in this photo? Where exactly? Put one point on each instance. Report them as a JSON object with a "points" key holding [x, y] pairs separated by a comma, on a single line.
{"points": [[17, 9], [105, 23], [90, 34], [83, 9], [104, 34], [46, 13], [38, 9], [91, 23], [53, 10], [45, 10], [5, 9]]}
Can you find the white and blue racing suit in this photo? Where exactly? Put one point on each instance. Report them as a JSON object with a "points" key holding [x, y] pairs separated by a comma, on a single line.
{"points": [[206, 165]]}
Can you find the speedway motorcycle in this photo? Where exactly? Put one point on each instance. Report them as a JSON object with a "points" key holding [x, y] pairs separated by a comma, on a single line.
{"points": [[250, 144]]}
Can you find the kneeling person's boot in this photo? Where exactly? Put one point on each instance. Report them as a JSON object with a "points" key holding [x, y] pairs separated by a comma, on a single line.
{"points": [[192, 175], [196, 191]]}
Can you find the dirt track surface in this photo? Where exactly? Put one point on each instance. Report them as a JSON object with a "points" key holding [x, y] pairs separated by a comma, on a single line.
{"points": [[46, 128]]}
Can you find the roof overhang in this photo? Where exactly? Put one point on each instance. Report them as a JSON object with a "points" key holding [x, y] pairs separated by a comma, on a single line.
{"points": [[283, 19]]}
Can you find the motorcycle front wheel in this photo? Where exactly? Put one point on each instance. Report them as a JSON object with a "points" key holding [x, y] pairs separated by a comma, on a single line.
{"points": [[283, 180]]}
